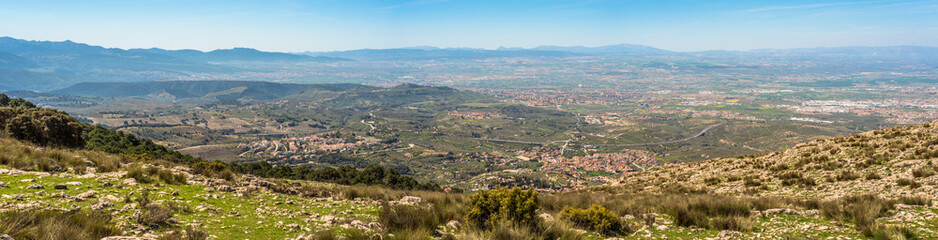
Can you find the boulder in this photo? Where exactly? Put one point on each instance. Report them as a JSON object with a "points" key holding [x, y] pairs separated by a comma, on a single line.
{"points": [[546, 217], [101, 205], [88, 194], [454, 225], [329, 219], [34, 186], [60, 187], [408, 200], [130, 182]]}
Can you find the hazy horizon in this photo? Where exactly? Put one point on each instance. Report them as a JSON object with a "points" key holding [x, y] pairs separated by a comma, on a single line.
{"points": [[317, 26], [454, 48]]}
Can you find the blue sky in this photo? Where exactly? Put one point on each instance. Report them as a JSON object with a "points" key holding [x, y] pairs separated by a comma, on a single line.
{"points": [[293, 26]]}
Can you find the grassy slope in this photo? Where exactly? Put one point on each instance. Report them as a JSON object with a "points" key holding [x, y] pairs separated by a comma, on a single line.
{"points": [[875, 162], [226, 215]]}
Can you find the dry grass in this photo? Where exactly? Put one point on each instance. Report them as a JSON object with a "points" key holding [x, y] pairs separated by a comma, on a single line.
{"points": [[29, 157], [57, 225], [861, 210]]}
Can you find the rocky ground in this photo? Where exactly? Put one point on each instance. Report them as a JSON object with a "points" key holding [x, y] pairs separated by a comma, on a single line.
{"points": [[895, 163]]}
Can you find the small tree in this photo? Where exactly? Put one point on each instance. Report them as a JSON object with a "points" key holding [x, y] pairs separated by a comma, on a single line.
{"points": [[46, 127], [510, 205]]}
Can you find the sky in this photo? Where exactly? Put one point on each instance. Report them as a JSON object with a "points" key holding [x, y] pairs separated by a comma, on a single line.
{"points": [[331, 25]]}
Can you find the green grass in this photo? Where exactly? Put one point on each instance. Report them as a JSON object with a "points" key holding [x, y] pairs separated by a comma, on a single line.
{"points": [[248, 225]]}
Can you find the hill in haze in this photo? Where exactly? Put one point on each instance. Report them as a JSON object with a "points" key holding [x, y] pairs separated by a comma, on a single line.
{"points": [[610, 49], [419, 54], [47, 65], [196, 89], [238, 55]]}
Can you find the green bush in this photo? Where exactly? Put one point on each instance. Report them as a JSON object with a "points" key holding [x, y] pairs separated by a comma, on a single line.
{"points": [[488, 208], [596, 218], [47, 127]]}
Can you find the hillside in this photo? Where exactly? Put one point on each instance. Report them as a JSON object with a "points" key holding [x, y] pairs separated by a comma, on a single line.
{"points": [[893, 162], [75, 181], [80, 182], [881, 184], [48, 65], [152, 200], [197, 89]]}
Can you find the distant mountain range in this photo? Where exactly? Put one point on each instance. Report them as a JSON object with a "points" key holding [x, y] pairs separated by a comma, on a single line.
{"points": [[418, 54], [49, 65], [238, 54], [430, 53], [207, 92], [197, 89]]}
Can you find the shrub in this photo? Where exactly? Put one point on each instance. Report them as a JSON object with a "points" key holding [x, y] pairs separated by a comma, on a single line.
{"points": [[57, 225], [908, 182], [733, 223], [890, 232], [862, 210], [169, 177], [154, 215], [189, 234], [225, 174], [509, 205], [409, 218], [922, 172], [847, 175], [779, 167], [752, 181], [792, 178], [595, 218], [701, 210], [137, 172], [47, 127], [915, 200], [712, 180]]}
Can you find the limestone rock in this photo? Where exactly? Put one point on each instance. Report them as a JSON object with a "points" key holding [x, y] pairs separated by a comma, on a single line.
{"points": [[88, 194]]}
